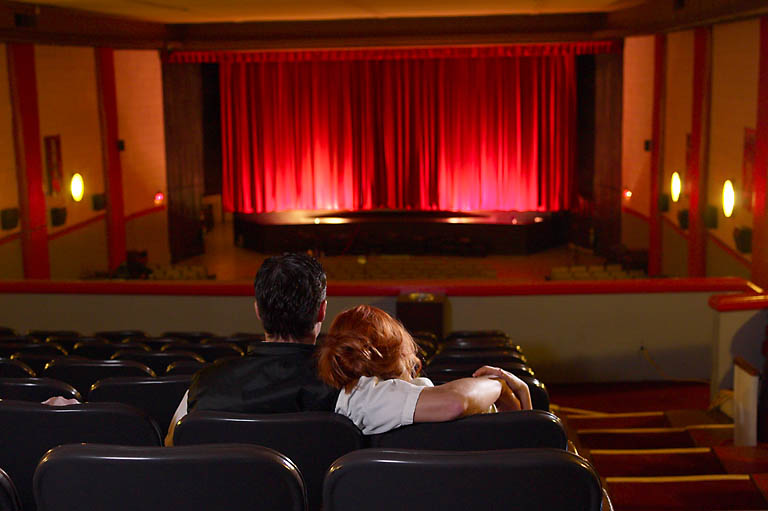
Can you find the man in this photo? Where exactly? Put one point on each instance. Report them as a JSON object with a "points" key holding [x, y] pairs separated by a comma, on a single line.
{"points": [[278, 375]]}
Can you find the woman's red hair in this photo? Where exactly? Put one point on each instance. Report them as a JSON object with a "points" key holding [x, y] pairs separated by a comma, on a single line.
{"points": [[366, 341]]}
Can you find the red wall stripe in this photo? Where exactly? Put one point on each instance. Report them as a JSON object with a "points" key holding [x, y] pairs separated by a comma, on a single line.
{"points": [[29, 166], [657, 134], [760, 222], [75, 227], [697, 171], [13, 237], [731, 252], [144, 212], [113, 173]]}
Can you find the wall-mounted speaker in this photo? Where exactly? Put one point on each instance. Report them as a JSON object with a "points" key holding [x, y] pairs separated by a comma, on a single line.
{"points": [[743, 239], [9, 218], [58, 216], [682, 219], [99, 201], [663, 202], [710, 217]]}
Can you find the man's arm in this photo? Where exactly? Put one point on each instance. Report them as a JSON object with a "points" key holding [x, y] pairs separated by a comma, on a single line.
{"points": [[517, 395], [181, 411], [455, 399]]}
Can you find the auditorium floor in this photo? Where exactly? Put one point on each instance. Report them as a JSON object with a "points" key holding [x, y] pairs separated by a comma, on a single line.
{"points": [[231, 263]]}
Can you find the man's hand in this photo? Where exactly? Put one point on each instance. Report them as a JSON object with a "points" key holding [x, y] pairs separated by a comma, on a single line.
{"points": [[60, 401], [515, 395]]}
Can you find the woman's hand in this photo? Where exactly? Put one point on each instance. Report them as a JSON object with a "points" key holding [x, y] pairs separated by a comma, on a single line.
{"points": [[515, 394]]}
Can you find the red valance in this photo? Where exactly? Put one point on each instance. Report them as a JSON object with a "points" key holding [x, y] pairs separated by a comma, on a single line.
{"points": [[462, 52]]}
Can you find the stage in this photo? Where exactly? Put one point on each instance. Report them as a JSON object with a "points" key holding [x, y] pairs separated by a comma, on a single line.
{"points": [[475, 233]]}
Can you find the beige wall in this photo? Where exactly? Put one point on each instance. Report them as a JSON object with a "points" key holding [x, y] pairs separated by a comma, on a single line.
{"points": [[636, 122], [721, 263], [9, 191], [150, 233], [634, 232], [674, 260], [80, 253], [11, 263], [735, 55]]}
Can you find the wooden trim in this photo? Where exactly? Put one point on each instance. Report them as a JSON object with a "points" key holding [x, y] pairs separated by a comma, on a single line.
{"points": [[207, 288], [679, 479], [697, 169], [113, 171], [746, 302], [646, 452], [29, 165], [144, 212], [709, 426], [745, 366], [75, 227], [730, 251], [760, 183], [657, 161]]}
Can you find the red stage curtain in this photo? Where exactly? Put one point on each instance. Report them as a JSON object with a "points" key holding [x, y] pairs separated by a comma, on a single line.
{"points": [[465, 132]]}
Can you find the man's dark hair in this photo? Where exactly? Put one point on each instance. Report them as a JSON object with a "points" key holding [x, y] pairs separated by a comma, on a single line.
{"points": [[289, 292]]}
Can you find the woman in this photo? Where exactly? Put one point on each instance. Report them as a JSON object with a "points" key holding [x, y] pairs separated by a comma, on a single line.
{"points": [[372, 359]]}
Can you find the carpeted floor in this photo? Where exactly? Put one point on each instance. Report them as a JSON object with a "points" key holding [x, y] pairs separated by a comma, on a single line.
{"points": [[631, 396]]}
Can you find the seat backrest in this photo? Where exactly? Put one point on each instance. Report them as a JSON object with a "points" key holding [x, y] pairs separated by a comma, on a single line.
{"points": [[158, 361], [30, 429], [185, 367], [9, 497], [95, 349], [508, 430], [313, 440], [81, 373], [539, 393], [15, 369], [189, 336], [211, 352], [482, 357], [117, 478], [44, 334], [36, 389], [455, 370], [159, 397], [53, 350], [119, 335], [515, 479]]}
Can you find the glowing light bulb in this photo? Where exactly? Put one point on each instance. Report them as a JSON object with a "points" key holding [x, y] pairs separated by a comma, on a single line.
{"points": [[677, 187], [159, 198], [729, 198], [627, 193], [77, 187]]}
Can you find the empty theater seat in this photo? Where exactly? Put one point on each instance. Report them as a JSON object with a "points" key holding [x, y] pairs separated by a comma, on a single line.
{"points": [[49, 349], [4, 330], [9, 497], [158, 361], [447, 370], [189, 336], [312, 440], [119, 335], [36, 389], [211, 352], [159, 397], [185, 367], [15, 369], [81, 373], [201, 477], [406, 479], [510, 430], [36, 361], [97, 349], [30, 429], [493, 357], [42, 335]]}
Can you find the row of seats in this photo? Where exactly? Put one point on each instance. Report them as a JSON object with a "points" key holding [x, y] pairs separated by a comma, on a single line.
{"points": [[312, 440]]}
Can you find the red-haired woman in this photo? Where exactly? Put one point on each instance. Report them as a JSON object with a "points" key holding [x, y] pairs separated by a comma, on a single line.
{"points": [[372, 358]]}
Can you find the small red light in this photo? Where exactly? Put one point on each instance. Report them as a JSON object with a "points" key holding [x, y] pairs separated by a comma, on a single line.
{"points": [[159, 198], [627, 193]]}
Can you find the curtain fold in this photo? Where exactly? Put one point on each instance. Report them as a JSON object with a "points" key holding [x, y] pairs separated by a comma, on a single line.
{"points": [[452, 133]]}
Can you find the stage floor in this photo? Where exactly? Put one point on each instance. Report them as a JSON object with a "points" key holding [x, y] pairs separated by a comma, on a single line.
{"points": [[231, 263]]}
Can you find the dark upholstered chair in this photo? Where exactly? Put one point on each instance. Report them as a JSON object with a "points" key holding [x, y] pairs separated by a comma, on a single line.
{"points": [[22, 339], [155, 343], [211, 352], [447, 370], [539, 393], [458, 334], [68, 342], [189, 336], [201, 477], [81, 374], [4, 331], [312, 440], [159, 397], [15, 369], [158, 361], [509, 430], [36, 361], [36, 389], [480, 357], [45, 334], [184, 367], [515, 479], [9, 497], [30, 429], [119, 335], [52, 350], [96, 349], [480, 343]]}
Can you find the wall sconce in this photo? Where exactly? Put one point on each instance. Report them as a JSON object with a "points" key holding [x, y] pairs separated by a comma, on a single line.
{"points": [[682, 219], [77, 187], [729, 198], [627, 193], [677, 187]]}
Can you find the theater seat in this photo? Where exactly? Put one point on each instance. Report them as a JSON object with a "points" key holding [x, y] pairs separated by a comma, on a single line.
{"points": [[450, 370], [36, 389], [42, 335], [4, 330], [9, 497], [508, 430], [493, 357], [415, 480], [49, 349], [119, 335], [313, 440], [184, 367], [211, 352], [30, 429], [15, 369], [189, 336], [539, 393], [203, 477], [158, 361], [81, 373], [159, 397]]}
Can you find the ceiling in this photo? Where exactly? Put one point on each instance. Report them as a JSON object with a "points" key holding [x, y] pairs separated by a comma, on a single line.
{"points": [[208, 11]]}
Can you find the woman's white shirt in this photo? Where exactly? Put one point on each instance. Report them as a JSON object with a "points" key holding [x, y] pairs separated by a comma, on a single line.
{"points": [[377, 406]]}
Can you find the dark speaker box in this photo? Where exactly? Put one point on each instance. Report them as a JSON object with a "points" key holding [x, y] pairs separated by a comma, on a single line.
{"points": [[422, 312], [743, 239], [682, 219], [663, 202], [710, 217], [10, 218], [99, 201], [58, 216]]}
